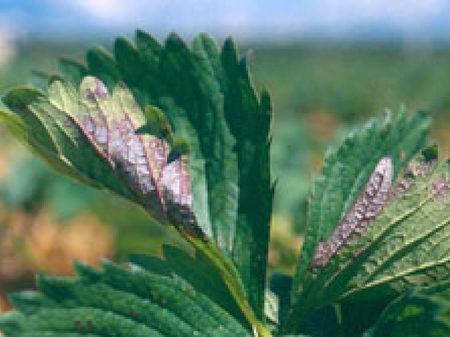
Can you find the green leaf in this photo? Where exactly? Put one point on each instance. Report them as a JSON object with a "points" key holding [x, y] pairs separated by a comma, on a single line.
{"points": [[72, 72], [321, 323], [204, 277], [39, 144], [413, 314], [117, 301], [101, 64], [231, 279], [358, 316], [346, 171]]}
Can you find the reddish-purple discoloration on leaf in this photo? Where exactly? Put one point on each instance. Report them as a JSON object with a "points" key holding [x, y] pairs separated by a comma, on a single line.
{"points": [[162, 186], [440, 188], [412, 171], [368, 205]]}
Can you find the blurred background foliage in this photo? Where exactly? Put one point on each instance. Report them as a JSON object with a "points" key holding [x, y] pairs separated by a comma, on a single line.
{"points": [[321, 88]]}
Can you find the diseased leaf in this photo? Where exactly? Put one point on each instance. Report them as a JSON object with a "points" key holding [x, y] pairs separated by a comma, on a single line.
{"points": [[94, 134], [368, 205], [209, 103], [346, 171], [406, 246], [180, 130]]}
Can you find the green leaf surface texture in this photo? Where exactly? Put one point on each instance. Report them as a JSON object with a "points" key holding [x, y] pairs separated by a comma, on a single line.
{"points": [[413, 314], [118, 301]]}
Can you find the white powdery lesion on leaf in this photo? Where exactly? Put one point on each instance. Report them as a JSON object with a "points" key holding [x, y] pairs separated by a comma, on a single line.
{"points": [[177, 183], [367, 206]]}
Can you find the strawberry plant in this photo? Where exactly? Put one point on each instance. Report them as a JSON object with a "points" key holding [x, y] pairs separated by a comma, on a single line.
{"points": [[180, 130]]}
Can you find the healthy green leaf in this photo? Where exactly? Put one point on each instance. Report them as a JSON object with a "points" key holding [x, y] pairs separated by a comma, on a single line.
{"points": [[72, 72], [356, 317], [321, 323], [414, 315], [346, 171], [214, 275], [203, 277], [120, 302]]}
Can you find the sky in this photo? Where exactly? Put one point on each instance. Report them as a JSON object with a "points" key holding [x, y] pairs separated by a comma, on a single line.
{"points": [[276, 20]]}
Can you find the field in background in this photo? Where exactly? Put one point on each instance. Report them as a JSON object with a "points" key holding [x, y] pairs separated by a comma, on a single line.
{"points": [[319, 92]]}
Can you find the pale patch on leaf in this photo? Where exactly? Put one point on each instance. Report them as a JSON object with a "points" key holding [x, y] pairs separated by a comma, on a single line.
{"points": [[368, 205], [441, 187], [411, 173], [164, 187]]}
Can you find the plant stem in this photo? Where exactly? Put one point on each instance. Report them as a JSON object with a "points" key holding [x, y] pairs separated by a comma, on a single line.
{"points": [[231, 278]]}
